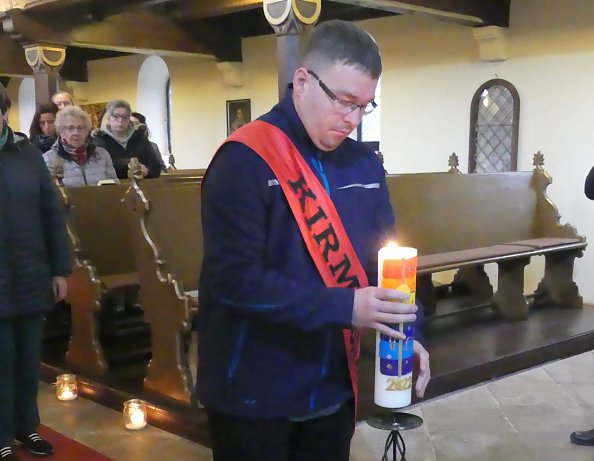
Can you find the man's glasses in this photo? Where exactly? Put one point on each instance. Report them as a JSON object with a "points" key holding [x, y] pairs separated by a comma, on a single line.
{"points": [[120, 117], [340, 105]]}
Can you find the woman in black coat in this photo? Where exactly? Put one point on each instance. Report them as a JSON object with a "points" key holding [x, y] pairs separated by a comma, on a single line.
{"points": [[34, 261], [589, 186]]}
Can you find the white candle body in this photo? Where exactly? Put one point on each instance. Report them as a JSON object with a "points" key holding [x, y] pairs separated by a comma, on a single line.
{"points": [[392, 386], [137, 420], [66, 394]]}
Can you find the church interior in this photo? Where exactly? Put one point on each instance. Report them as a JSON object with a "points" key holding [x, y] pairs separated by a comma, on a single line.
{"points": [[478, 111]]}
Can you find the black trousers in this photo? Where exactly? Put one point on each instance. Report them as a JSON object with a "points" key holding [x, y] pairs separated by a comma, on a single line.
{"points": [[20, 357], [327, 438]]}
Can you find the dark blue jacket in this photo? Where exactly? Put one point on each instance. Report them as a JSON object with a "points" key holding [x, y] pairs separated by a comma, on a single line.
{"points": [[33, 241], [270, 331], [589, 186]]}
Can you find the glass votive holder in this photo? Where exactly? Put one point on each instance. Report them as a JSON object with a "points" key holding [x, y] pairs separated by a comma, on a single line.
{"points": [[66, 388], [135, 416]]}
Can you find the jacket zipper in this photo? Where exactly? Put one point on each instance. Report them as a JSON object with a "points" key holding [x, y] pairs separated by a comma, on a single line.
{"points": [[320, 169]]}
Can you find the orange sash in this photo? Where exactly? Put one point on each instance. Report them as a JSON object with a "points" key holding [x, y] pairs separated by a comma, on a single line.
{"points": [[316, 216]]}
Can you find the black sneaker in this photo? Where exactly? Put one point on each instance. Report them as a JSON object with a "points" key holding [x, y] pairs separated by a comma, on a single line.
{"points": [[35, 445], [6, 454]]}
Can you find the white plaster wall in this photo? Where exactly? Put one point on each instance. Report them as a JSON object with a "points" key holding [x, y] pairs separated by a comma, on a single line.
{"points": [[114, 78], [199, 96]]}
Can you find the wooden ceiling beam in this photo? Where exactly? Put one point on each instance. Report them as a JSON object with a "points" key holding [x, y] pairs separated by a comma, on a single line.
{"points": [[202, 9], [12, 58], [135, 31], [467, 12]]}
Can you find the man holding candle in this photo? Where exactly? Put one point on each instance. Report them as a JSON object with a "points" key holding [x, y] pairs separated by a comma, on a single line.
{"points": [[294, 213], [34, 259]]}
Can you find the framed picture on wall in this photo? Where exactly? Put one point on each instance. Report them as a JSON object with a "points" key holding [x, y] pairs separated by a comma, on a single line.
{"points": [[239, 113], [94, 111]]}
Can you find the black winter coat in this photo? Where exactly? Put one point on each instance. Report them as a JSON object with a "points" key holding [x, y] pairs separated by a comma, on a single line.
{"points": [[33, 241], [138, 146], [589, 186]]}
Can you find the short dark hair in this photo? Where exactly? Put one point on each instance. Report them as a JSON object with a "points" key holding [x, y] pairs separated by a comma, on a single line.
{"points": [[5, 101], [35, 129], [342, 42], [138, 116]]}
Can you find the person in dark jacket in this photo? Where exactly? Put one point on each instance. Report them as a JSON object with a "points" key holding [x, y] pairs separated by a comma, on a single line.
{"points": [[585, 438], [589, 186], [139, 122], [122, 141], [275, 334], [34, 261], [42, 132]]}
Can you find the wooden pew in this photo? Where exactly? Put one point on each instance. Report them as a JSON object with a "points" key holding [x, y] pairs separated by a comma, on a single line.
{"points": [[103, 267], [167, 242], [467, 220]]}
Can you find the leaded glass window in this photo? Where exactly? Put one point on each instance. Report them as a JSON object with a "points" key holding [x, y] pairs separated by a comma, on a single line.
{"points": [[494, 120]]}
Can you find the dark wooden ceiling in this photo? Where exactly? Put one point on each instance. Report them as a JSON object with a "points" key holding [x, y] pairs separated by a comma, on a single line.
{"points": [[96, 29]]}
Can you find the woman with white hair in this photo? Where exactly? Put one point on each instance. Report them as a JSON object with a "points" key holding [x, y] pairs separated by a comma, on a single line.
{"points": [[83, 163]]}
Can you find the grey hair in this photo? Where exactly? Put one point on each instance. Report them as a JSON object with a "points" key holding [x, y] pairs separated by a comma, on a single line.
{"points": [[72, 111], [342, 42], [116, 104]]}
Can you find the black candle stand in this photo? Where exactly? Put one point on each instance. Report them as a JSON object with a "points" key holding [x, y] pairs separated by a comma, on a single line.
{"points": [[395, 422]]}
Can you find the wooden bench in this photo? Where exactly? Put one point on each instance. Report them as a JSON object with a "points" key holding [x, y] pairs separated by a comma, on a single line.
{"points": [[103, 276], [167, 242], [468, 220]]}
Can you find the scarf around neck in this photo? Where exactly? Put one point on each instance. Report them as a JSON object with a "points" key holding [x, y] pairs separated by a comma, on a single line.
{"points": [[78, 154], [3, 136]]}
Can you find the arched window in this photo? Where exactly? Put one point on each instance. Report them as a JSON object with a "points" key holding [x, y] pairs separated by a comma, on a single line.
{"points": [[494, 123], [168, 99], [26, 104], [151, 100], [368, 131]]}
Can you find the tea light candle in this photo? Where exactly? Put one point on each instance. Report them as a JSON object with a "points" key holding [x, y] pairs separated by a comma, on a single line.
{"points": [[66, 388], [135, 416], [397, 269]]}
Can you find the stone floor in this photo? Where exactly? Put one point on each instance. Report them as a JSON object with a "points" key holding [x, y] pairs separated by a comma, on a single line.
{"points": [[527, 416]]}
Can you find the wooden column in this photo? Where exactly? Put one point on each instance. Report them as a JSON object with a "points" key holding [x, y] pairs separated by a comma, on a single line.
{"points": [[46, 62], [289, 19]]}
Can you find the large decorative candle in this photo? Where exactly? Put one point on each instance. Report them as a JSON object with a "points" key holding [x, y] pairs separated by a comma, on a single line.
{"points": [[397, 269]]}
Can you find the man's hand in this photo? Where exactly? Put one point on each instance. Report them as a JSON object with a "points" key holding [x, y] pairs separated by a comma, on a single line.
{"points": [[422, 364], [377, 308], [60, 287], [144, 170]]}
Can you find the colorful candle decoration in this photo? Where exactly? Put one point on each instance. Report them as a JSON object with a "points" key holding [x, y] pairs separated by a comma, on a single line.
{"points": [[397, 269], [135, 415], [66, 387]]}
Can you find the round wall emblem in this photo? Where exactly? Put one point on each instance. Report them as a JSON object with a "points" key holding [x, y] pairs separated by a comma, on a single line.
{"points": [[277, 11], [307, 11]]}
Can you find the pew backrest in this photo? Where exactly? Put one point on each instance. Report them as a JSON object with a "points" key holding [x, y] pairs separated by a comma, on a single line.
{"points": [[472, 210], [102, 226], [172, 225]]}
